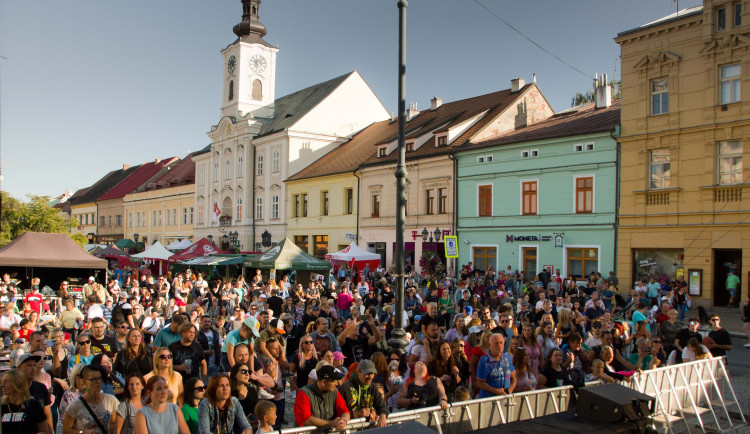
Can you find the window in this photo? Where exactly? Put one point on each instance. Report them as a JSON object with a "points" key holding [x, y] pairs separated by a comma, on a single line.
{"points": [[320, 246], [348, 201], [260, 165], [216, 171], [480, 159], [158, 222], [375, 205], [409, 146], [301, 242], [730, 162], [191, 216], [295, 211], [304, 205], [230, 96], [528, 197], [153, 218], [118, 220], [442, 140], [578, 148], [137, 219], [584, 195], [484, 257], [275, 161], [382, 152], [201, 177], [274, 207], [324, 203], [110, 220], [184, 216], [80, 219], [737, 14], [659, 168], [240, 166], [485, 200], [429, 202], [582, 261], [258, 208], [721, 19], [489, 158], [442, 200], [238, 217], [529, 153], [589, 146], [200, 214], [730, 83], [659, 96], [102, 221], [257, 91], [227, 169]]}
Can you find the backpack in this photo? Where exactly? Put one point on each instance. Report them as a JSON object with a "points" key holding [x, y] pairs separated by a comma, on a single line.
{"points": [[118, 315]]}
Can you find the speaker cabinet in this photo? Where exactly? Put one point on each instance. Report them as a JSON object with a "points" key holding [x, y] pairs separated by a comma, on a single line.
{"points": [[613, 403]]}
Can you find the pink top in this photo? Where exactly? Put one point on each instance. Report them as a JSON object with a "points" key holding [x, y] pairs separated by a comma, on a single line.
{"points": [[533, 351], [344, 301]]}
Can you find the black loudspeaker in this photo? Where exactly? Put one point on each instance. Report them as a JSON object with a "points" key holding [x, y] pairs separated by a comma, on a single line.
{"points": [[613, 403]]}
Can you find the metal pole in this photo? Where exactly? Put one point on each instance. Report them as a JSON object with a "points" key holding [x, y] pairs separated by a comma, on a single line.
{"points": [[398, 341]]}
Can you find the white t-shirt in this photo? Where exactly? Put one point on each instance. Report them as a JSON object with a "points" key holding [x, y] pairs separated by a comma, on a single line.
{"points": [[103, 411], [95, 311], [418, 350]]}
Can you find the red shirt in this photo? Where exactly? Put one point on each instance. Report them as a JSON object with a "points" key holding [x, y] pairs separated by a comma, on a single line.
{"points": [[35, 301], [302, 407]]}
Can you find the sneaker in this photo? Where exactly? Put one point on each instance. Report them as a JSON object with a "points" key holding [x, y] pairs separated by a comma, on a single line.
{"points": [[747, 345], [263, 394]]}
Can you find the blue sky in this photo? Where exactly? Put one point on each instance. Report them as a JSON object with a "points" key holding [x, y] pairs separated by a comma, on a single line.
{"points": [[90, 85]]}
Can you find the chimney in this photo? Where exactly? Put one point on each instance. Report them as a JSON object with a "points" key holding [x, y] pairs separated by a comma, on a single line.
{"points": [[435, 103], [603, 91], [413, 111], [305, 151], [157, 161], [522, 116], [516, 84], [125, 166]]}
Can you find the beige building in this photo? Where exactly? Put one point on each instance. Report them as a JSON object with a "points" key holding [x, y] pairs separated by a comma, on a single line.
{"points": [[684, 198], [163, 209]]}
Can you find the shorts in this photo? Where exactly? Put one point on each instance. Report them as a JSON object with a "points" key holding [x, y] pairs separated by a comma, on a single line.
{"points": [[732, 292]]}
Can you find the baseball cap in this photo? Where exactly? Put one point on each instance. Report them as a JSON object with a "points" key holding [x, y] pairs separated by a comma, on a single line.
{"points": [[366, 367], [338, 355], [417, 317], [252, 323], [469, 310], [279, 325], [476, 329], [28, 356], [19, 340], [123, 294], [328, 372], [91, 278]]}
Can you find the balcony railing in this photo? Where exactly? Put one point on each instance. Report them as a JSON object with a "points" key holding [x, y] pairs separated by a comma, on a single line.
{"points": [[728, 193], [657, 198]]}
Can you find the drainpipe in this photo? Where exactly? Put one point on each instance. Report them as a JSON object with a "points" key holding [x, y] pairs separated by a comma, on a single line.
{"points": [[615, 134], [356, 174], [251, 207], [454, 227]]}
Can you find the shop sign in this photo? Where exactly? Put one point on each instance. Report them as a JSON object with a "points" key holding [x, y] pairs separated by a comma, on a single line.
{"points": [[521, 238]]}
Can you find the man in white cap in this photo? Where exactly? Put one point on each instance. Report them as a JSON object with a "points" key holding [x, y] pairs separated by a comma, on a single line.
{"points": [[89, 288]]}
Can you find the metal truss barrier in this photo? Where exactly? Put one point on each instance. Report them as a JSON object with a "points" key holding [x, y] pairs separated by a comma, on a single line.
{"points": [[476, 414], [694, 393]]}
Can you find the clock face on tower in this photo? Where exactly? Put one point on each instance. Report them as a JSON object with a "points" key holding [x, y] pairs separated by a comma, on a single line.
{"points": [[258, 63], [231, 63]]}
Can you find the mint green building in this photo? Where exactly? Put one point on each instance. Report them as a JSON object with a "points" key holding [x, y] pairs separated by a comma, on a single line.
{"points": [[542, 196]]}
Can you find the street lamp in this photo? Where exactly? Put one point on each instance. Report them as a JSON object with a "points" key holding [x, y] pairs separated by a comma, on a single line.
{"points": [[425, 234], [265, 238], [210, 239], [224, 240], [136, 236], [437, 235]]}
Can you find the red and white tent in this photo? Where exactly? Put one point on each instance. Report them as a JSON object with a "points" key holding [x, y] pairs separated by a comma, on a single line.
{"points": [[355, 254], [202, 247]]}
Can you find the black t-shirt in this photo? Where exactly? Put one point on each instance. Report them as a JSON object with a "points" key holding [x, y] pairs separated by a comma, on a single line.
{"points": [[720, 337], [192, 355], [684, 336], [556, 378], [427, 319], [293, 336], [303, 373], [276, 304], [39, 392], [106, 345], [356, 350], [22, 418], [387, 297]]}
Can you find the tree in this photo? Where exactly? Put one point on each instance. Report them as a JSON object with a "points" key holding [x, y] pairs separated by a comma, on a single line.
{"points": [[36, 215], [590, 96]]}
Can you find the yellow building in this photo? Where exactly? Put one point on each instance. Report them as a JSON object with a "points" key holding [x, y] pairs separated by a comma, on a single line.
{"points": [[163, 209], [682, 102]]}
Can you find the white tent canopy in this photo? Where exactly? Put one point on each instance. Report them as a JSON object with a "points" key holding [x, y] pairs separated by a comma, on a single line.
{"points": [[180, 245], [353, 252], [155, 251]]}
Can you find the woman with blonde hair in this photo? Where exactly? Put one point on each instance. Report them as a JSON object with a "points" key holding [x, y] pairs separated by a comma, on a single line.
{"points": [[163, 368], [25, 414], [133, 359], [477, 352], [546, 317], [546, 339], [303, 362], [564, 326]]}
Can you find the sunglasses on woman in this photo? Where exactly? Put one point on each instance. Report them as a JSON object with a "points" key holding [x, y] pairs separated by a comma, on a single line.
{"points": [[166, 357], [199, 389]]}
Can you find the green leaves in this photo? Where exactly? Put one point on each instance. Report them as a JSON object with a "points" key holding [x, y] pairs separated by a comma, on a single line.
{"points": [[35, 215]]}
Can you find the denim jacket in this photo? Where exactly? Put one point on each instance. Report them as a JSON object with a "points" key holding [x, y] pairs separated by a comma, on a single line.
{"points": [[208, 417]]}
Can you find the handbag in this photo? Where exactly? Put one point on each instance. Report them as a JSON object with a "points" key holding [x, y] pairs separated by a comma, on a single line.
{"points": [[96, 419]]}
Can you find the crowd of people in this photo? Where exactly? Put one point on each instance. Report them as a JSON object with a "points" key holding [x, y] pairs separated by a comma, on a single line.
{"points": [[185, 354]]}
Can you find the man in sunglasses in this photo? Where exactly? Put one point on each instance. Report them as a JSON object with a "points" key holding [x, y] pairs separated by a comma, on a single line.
{"points": [[684, 335], [722, 340]]}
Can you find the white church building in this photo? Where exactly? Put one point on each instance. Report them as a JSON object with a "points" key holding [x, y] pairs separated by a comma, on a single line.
{"points": [[261, 140]]}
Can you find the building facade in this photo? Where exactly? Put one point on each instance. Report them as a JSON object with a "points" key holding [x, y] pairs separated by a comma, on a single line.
{"points": [[261, 140], [684, 193], [542, 197]]}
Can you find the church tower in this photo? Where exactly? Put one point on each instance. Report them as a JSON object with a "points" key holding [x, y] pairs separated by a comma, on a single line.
{"points": [[249, 77]]}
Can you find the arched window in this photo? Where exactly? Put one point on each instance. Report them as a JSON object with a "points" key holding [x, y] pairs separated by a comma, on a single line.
{"points": [[257, 92], [239, 210], [216, 171], [230, 96], [227, 166], [240, 167]]}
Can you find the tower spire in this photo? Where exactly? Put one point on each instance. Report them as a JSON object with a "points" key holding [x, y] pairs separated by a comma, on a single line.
{"points": [[250, 25]]}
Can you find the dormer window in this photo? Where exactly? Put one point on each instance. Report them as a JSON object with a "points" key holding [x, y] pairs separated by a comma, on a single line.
{"points": [[442, 140], [382, 152], [409, 146]]}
